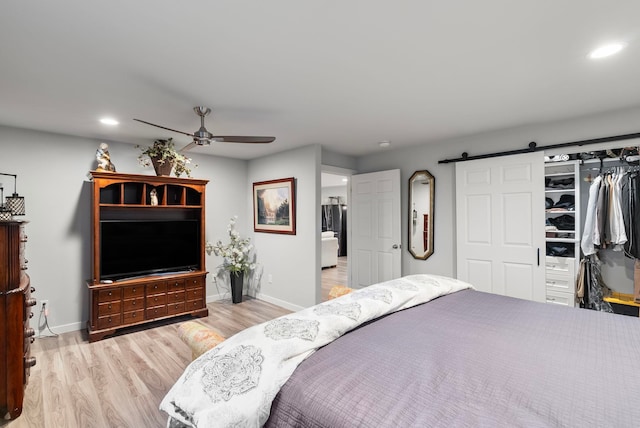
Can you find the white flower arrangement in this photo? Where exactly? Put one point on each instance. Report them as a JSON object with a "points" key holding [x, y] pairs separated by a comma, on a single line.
{"points": [[237, 252]]}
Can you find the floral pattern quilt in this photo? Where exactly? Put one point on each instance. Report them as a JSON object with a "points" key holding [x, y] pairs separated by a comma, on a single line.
{"points": [[235, 383]]}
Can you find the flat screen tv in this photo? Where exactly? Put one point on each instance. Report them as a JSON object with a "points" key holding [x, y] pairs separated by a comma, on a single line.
{"points": [[130, 249]]}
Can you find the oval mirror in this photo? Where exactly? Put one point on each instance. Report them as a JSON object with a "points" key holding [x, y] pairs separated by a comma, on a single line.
{"points": [[421, 193]]}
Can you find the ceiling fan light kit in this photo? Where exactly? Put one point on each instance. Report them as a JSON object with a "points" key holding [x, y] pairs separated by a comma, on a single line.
{"points": [[202, 137]]}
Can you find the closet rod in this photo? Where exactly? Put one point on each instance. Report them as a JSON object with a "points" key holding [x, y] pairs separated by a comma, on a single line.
{"points": [[534, 148]]}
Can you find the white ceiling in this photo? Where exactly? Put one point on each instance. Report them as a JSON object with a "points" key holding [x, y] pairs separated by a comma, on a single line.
{"points": [[344, 74]]}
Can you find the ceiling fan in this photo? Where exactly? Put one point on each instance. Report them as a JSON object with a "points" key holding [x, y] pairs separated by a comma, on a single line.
{"points": [[202, 137]]}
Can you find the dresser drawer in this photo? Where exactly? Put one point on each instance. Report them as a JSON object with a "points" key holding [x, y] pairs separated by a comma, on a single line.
{"points": [[194, 304], [559, 298], [175, 285], [156, 312], [156, 300], [133, 291], [133, 304], [194, 294], [560, 282], [109, 308], [195, 282], [157, 288], [109, 321], [109, 295], [133, 316], [176, 297], [175, 308], [560, 265]]}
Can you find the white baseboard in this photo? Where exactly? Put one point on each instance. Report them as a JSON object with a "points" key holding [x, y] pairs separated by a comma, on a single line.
{"points": [[278, 302], [259, 296], [59, 329]]}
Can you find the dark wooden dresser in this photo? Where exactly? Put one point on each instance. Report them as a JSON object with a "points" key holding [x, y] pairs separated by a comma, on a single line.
{"points": [[15, 311]]}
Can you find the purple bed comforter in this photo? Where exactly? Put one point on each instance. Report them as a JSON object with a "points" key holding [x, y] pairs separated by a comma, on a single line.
{"points": [[472, 359]]}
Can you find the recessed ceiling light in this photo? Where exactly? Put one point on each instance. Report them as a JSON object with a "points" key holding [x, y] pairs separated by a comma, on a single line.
{"points": [[606, 50], [109, 121], [384, 144]]}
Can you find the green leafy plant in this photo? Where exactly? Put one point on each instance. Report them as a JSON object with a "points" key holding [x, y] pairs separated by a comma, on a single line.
{"points": [[165, 151], [237, 253]]}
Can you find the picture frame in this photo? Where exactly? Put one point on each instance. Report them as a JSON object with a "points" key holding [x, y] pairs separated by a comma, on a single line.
{"points": [[274, 206]]}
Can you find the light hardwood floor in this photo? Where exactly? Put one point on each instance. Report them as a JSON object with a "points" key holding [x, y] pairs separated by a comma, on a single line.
{"points": [[334, 276], [120, 381]]}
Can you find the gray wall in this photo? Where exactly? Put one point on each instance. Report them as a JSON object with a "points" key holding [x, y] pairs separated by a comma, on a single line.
{"points": [[292, 260]]}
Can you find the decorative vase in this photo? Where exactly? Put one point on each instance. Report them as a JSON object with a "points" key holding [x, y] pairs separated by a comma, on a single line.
{"points": [[237, 280], [162, 168]]}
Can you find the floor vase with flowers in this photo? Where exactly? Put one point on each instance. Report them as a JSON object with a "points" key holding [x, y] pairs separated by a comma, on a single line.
{"points": [[237, 280]]}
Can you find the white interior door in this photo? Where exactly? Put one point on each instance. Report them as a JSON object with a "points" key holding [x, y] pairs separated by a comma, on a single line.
{"points": [[375, 254], [500, 225]]}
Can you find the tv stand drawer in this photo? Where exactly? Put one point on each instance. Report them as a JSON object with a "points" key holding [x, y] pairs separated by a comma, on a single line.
{"points": [[143, 300]]}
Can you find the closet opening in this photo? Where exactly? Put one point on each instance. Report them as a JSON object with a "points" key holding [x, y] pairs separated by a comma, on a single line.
{"points": [[602, 234]]}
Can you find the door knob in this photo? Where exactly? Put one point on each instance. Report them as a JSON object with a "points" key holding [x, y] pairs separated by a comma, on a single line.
{"points": [[395, 246]]}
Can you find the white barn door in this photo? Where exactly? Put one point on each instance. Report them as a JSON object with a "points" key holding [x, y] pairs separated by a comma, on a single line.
{"points": [[375, 253], [500, 225]]}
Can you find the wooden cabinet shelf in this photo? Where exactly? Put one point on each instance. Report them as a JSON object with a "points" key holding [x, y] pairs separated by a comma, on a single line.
{"points": [[126, 302]]}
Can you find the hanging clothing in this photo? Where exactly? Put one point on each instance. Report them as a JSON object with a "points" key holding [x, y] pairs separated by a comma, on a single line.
{"points": [[617, 235], [630, 198], [636, 280], [587, 243], [611, 215], [593, 287]]}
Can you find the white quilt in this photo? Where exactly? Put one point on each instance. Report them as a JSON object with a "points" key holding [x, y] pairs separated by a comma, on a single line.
{"points": [[234, 384]]}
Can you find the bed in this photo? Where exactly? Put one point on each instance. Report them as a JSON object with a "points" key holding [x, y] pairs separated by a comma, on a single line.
{"points": [[463, 358]]}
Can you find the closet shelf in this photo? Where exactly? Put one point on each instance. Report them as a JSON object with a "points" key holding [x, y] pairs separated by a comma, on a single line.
{"points": [[568, 240], [559, 212], [559, 190]]}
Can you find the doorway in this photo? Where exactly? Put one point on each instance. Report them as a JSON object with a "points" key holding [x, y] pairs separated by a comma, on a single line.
{"points": [[335, 219]]}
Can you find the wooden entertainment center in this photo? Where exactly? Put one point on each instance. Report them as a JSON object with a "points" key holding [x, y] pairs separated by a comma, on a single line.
{"points": [[127, 302]]}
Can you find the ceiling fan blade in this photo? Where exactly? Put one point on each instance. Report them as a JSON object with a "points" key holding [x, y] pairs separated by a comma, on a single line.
{"points": [[164, 127], [189, 146], [242, 139]]}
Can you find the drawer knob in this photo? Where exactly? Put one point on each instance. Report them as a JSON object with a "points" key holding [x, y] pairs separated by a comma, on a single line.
{"points": [[29, 332], [30, 302], [30, 361]]}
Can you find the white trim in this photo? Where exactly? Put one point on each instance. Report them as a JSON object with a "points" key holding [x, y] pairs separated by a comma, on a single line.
{"points": [[278, 302], [59, 329]]}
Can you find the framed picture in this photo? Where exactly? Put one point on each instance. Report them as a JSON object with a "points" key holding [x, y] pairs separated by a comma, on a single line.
{"points": [[274, 206]]}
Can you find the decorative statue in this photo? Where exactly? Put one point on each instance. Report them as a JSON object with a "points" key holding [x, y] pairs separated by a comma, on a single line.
{"points": [[154, 197], [104, 159]]}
